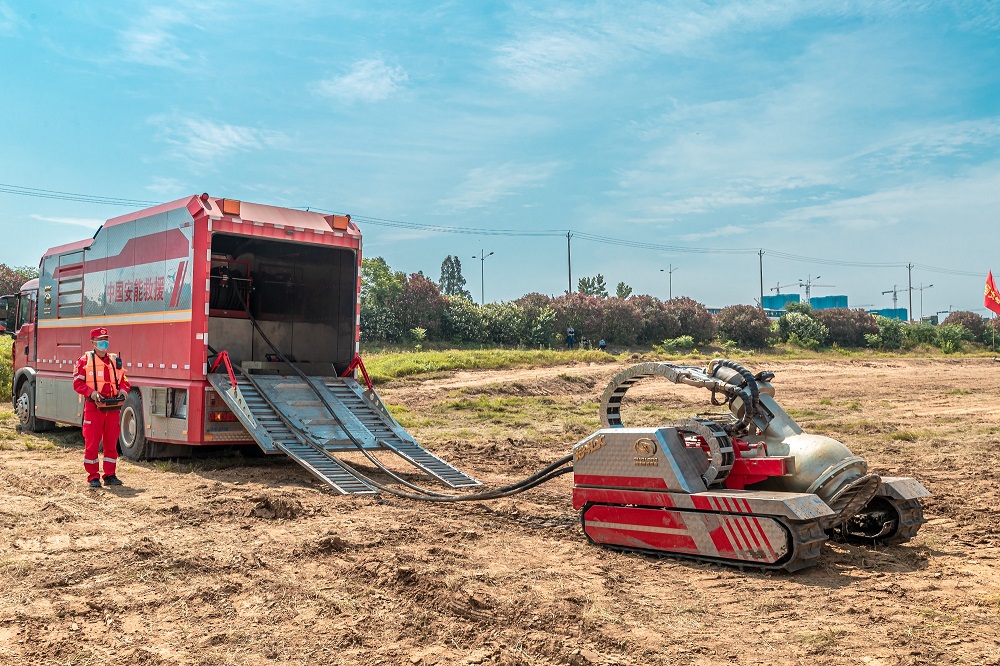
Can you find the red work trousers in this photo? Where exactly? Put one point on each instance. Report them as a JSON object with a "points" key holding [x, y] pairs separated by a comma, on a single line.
{"points": [[100, 425]]}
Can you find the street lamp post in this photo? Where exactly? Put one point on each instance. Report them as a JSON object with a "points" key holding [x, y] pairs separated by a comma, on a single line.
{"points": [[921, 290], [670, 280], [482, 274]]}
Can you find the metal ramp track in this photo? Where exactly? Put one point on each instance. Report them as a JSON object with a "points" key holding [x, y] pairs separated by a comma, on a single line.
{"points": [[328, 469], [273, 435], [388, 433]]}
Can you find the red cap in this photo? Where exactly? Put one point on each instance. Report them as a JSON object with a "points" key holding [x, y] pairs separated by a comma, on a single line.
{"points": [[98, 333]]}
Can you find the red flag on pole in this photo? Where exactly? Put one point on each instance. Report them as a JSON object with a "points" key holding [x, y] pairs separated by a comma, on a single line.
{"points": [[992, 298]]}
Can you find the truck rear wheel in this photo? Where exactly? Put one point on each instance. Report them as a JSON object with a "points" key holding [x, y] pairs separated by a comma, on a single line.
{"points": [[25, 410], [132, 440]]}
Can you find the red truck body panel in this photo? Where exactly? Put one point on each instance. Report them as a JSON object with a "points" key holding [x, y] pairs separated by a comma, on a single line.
{"points": [[148, 277]]}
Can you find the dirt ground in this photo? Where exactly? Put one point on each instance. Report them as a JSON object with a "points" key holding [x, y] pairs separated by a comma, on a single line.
{"points": [[243, 560]]}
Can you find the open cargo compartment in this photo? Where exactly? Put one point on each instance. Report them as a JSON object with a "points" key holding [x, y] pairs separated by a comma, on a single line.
{"points": [[302, 296]]}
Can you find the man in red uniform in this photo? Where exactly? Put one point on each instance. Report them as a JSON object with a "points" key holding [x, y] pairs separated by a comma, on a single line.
{"points": [[101, 380]]}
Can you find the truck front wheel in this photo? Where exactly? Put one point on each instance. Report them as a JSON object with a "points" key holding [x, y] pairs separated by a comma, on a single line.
{"points": [[132, 441], [24, 407]]}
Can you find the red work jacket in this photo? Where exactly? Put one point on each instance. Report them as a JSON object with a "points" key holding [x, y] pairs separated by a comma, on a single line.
{"points": [[103, 373]]}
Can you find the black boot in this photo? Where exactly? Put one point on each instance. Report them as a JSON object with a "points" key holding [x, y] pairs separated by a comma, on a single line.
{"points": [[112, 481], [96, 483]]}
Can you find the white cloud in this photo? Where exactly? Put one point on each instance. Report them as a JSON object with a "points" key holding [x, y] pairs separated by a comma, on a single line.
{"points": [[151, 39], [721, 232], [979, 16], [557, 47], [9, 20], [540, 63], [932, 142], [168, 188], [206, 141], [368, 81], [927, 210], [486, 185], [75, 221]]}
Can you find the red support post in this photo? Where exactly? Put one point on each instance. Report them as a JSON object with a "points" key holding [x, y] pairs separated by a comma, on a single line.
{"points": [[356, 362], [223, 357]]}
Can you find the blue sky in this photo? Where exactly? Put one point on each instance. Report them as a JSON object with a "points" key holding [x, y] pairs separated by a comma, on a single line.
{"points": [[689, 135]]}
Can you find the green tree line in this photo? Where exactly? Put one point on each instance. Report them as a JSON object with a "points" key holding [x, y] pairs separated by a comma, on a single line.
{"points": [[397, 308]]}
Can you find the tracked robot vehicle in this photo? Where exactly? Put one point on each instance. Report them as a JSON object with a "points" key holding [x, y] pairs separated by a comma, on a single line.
{"points": [[746, 487]]}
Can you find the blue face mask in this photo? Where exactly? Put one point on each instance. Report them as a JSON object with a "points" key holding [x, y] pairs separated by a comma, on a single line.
{"points": [[103, 345]]}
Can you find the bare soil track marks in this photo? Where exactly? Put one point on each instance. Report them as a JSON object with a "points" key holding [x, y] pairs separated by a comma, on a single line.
{"points": [[248, 561]]}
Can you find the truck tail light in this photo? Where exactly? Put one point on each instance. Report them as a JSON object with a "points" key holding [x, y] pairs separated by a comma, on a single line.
{"points": [[221, 416]]}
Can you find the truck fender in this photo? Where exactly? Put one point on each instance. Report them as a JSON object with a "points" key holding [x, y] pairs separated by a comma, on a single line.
{"points": [[23, 375]]}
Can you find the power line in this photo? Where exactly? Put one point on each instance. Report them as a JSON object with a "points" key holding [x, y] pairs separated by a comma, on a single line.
{"points": [[398, 224], [434, 228], [72, 196], [946, 271], [622, 242]]}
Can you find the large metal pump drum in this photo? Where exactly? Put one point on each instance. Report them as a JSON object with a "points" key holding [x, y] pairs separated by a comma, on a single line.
{"points": [[827, 468]]}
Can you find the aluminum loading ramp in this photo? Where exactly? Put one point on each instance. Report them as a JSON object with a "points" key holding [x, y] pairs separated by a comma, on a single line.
{"points": [[283, 414]]}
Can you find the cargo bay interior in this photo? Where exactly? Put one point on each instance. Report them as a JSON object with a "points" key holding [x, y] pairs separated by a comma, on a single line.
{"points": [[302, 296]]}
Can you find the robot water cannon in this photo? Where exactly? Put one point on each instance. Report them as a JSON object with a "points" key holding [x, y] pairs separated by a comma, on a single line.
{"points": [[746, 486]]}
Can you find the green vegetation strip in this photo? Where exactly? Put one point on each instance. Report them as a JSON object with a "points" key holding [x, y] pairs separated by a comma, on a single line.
{"points": [[384, 367]]}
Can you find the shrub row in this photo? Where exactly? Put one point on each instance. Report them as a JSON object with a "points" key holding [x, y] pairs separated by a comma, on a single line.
{"points": [[747, 326], [413, 309]]}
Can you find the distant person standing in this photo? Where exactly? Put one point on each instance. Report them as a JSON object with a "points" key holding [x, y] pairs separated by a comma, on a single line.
{"points": [[602, 345], [570, 337], [101, 380]]}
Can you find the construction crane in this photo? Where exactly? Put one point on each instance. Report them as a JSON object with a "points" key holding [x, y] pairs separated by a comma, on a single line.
{"points": [[809, 284], [778, 286], [895, 294]]}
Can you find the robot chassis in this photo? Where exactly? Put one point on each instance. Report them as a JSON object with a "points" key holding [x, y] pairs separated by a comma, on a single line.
{"points": [[748, 487]]}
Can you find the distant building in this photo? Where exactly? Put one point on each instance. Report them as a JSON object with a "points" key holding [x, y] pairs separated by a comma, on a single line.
{"points": [[777, 302], [828, 302], [892, 313]]}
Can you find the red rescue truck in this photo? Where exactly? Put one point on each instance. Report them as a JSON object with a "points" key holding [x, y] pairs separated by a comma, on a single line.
{"points": [[168, 282]]}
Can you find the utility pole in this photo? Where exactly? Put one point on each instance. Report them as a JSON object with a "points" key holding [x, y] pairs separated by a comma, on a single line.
{"points": [[909, 279], [670, 281], [569, 262], [921, 290], [760, 255], [482, 274]]}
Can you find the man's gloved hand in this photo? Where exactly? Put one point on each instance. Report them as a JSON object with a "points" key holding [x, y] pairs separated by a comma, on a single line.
{"points": [[95, 396]]}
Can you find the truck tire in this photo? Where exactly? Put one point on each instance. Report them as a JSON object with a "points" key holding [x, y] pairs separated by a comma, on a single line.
{"points": [[24, 407], [132, 441]]}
